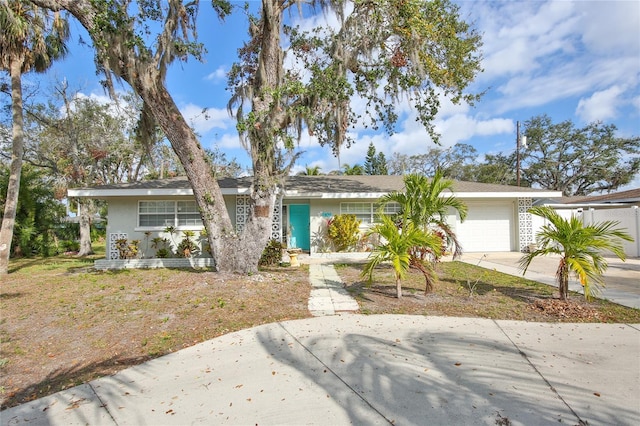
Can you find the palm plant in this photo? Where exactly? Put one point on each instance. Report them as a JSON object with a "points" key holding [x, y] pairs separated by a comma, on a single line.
{"points": [[356, 169], [581, 248], [311, 171], [30, 39], [423, 203], [396, 246]]}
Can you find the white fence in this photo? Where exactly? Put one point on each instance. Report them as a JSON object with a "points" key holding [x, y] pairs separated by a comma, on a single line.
{"points": [[629, 218]]}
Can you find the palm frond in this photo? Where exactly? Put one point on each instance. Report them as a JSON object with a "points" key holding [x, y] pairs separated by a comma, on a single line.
{"points": [[581, 248]]}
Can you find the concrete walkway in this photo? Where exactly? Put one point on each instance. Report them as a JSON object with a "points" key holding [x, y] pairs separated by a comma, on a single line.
{"points": [[328, 295]]}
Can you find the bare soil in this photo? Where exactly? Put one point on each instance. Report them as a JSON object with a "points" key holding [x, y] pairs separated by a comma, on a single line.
{"points": [[62, 323]]}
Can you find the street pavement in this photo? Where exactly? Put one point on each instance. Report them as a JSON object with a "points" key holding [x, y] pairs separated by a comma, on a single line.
{"points": [[344, 368]]}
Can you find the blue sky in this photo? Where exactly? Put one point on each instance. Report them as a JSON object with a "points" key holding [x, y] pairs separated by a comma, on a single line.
{"points": [[567, 59]]}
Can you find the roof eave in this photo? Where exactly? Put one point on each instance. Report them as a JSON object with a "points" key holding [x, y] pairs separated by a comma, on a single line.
{"points": [[173, 192], [509, 194]]}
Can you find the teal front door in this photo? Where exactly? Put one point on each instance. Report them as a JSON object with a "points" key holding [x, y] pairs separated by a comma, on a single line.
{"points": [[299, 224]]}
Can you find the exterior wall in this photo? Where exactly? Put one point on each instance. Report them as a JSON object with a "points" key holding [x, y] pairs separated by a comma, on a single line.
{"points": [[123, 216], [526, 239], [519, 220], [123, 223], [320, 213]]}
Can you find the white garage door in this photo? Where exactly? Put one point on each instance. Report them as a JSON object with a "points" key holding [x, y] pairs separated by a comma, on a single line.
{"points": [[487, 228]]}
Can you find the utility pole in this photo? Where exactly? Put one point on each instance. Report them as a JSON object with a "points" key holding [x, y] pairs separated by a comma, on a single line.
{"points": [[520, 141], [518, 153]]}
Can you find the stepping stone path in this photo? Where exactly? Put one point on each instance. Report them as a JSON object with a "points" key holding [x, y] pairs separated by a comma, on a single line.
{"points": [[328, 295]]}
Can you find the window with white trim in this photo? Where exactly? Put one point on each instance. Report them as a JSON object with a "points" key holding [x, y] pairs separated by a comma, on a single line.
{"points": [[368, 212], [161, 214]]}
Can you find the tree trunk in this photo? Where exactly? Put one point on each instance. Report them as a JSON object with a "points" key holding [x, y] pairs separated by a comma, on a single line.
{"points": [[223, 240], [263, 142], [562, 276], [84, 215], [145, 75], [398, 288], [231, 252], [13, 189]]}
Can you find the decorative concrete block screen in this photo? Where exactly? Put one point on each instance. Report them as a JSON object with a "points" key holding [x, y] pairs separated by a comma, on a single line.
{"points": [[242, 211], [525, 226], [112, 250], [243, 204], [276, 224]]}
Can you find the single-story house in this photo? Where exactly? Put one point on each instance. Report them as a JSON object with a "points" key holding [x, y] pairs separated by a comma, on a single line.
{"points": [[498, 218]]}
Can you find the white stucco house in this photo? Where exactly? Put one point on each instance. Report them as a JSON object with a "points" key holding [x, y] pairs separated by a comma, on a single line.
{"points": [[498, 218]]}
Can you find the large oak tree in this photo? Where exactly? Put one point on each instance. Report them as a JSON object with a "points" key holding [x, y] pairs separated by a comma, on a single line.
{"points": [[578, 161], [384, 51]]}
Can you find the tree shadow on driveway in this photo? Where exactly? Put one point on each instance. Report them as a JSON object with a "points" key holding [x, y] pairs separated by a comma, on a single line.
{"points": [[446, 371]]}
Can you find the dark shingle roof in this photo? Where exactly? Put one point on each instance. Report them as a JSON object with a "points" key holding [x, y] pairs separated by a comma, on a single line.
{"points": [[321, 184], [630, 196]]}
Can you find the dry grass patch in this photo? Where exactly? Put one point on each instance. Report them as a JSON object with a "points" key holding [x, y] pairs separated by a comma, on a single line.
{"points": [[64, 323], [466, 290]]}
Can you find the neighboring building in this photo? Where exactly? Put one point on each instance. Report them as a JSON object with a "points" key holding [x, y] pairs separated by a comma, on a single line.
{"points": [[620, 206], [497, 214]]}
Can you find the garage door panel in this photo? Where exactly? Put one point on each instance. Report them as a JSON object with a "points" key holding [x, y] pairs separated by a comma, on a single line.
{"points": [[487, 228]]}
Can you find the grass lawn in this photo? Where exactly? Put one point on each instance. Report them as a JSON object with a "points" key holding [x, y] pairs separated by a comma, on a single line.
{"points": [[466, 290], [62, 323]]}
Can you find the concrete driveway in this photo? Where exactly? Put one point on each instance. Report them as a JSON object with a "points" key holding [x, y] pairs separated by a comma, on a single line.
{"points": [[622, 279]]}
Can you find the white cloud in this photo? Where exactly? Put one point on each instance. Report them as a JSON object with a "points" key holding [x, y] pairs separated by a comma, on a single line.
{"points": [[226, 141], [220, 74], [600, 106], [204, 120], [519, 37], [495, 126], [611, 27], [540, 52]]}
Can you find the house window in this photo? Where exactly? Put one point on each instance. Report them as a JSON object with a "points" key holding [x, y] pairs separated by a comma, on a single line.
{"points": [[368, 212], [188, 214], [168, 213]]}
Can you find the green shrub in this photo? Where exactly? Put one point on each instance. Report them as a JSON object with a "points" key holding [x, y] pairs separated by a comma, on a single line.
{"points": [[163, 253], [188, 247], [272, 254], [344, 231], [69, 245], [127, 249], [162, 247]]}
